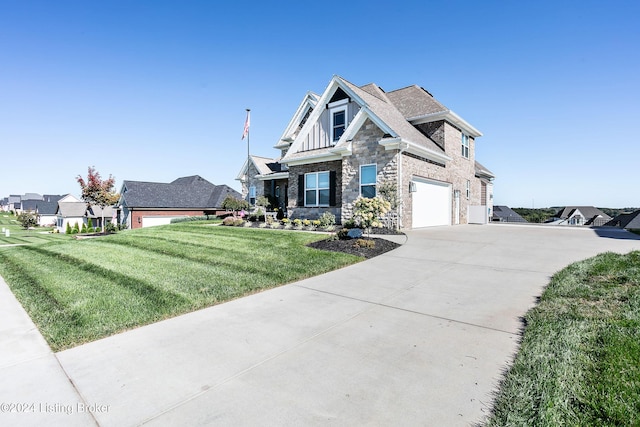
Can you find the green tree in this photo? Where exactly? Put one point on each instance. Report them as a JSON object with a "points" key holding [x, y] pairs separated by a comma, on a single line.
{"points": [[27, 219], [96, 191], [232, 204]]}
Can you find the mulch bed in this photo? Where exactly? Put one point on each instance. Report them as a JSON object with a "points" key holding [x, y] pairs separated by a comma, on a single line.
{"points": [[349, 246]]}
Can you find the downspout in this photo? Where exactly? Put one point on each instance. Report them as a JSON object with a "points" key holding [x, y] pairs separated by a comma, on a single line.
{"points": [[400, 185]]}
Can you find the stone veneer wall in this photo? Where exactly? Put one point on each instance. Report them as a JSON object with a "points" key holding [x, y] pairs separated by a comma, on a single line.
{"points": [[366, 150], [260, 185], [303, 212]]}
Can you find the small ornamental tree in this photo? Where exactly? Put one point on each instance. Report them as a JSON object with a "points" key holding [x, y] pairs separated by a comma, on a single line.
{"points": [[367, 212], [68, 231], [96, 191], [27, 219], [232, 204]]}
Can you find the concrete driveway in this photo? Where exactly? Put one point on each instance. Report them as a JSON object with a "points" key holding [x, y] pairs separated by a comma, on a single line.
{"points": [[418, 336]]}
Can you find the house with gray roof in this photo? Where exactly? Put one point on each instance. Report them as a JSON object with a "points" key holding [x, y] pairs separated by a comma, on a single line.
{"points": [[351, 141], [506, 214], [145, 204], [580, 215], [628, 221], [45, 207]]}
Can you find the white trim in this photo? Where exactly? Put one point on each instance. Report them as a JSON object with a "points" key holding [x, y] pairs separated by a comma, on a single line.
{"points": [[279, 175], [310, 100], [413, 148], [324, 157], [449, 116]]}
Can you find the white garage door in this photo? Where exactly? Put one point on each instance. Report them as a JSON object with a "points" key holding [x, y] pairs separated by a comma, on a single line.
{"points": [[150, 221], [431, 203]]}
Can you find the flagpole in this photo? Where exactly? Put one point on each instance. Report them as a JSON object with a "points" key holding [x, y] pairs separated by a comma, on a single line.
{"points": [[248, 153]]}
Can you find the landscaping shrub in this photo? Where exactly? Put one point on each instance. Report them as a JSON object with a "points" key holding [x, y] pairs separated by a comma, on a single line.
{"points": [[68, 230], [327, 219], [365, 243], [238, 222], [75, 229], [84, 228], [229, 221]]}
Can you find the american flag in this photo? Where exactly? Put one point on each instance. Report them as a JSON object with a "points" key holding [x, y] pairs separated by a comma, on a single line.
{"points": [[246, 125]]}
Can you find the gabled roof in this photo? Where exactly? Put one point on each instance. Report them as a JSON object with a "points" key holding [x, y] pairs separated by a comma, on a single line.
{"points": [[267, 168], [630, 221], [72, 209], [588, 212], [375, 106], [505, 213], [193, 192], [307, 105], [40, 206], [32, 196]]}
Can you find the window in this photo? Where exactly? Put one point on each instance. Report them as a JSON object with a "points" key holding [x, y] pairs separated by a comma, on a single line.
{"points": [[368, 181], [468, 189], [465, 146], [338, 124], [252, 195], [338, 117], [316, 189]]}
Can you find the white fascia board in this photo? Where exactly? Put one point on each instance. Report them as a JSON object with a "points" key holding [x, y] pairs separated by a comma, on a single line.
{"points": [[333, 85], [309, 100], [325, 157], [242, 172], [279, 175], [449, 116], [413, 148]]}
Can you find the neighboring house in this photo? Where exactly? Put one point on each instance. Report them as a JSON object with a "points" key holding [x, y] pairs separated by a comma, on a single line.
{"points": [[146, 204], [72, 211], [46, 208], [580, 215], [628, 221], [351, 141], [506, 214]]}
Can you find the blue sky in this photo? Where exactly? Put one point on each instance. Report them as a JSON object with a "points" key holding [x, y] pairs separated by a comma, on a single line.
{"points": [[156, 90]]}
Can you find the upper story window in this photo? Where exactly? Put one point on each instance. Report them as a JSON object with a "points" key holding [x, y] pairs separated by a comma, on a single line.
{"points": [[465, 146], [368, 175], [468, 189], [338, 124], [338, 117], [316, 189]]}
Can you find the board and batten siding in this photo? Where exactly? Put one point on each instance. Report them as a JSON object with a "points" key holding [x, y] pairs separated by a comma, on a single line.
{"points": [[320, 134]]}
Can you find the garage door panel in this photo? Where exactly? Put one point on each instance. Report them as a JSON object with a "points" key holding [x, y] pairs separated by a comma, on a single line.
{"points": [[431, 204], [151, 221]]}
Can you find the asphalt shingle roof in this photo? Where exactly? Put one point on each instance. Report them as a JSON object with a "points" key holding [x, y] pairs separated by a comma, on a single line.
{"points": [[183, 193]]}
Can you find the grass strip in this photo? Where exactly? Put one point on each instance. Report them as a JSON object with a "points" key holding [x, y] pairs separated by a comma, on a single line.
{"points": [[579, 360]]}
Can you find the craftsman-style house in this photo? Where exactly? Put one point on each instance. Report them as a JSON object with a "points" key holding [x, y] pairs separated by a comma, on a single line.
{"points": [[355, 141]]}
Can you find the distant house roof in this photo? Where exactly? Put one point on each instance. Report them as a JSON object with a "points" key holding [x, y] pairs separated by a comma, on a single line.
{"points": [[191, 192], [588, 212], [31, 196], [630, 221], [506, 214], [40, 206], [72, 209]]}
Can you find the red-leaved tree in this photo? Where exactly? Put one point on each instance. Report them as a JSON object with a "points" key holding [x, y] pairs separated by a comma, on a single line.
{"points": [[98, 192]]}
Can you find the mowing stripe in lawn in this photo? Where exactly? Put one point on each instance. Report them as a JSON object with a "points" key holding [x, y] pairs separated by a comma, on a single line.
{"points": [[163, 299]]}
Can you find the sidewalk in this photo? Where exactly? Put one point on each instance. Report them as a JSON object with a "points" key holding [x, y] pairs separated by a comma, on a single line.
{"points": [[34, 391]]}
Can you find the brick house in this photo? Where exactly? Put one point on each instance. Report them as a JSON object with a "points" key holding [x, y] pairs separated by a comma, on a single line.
{"points": [[145, 204], [352, 141]]}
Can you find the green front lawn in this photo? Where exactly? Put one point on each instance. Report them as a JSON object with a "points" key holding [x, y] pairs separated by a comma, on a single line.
{"points": [[579, 362], [82, 290], [20, 236]]}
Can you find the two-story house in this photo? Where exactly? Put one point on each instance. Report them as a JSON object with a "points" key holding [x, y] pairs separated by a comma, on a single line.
{"points": [[354, 141]]}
